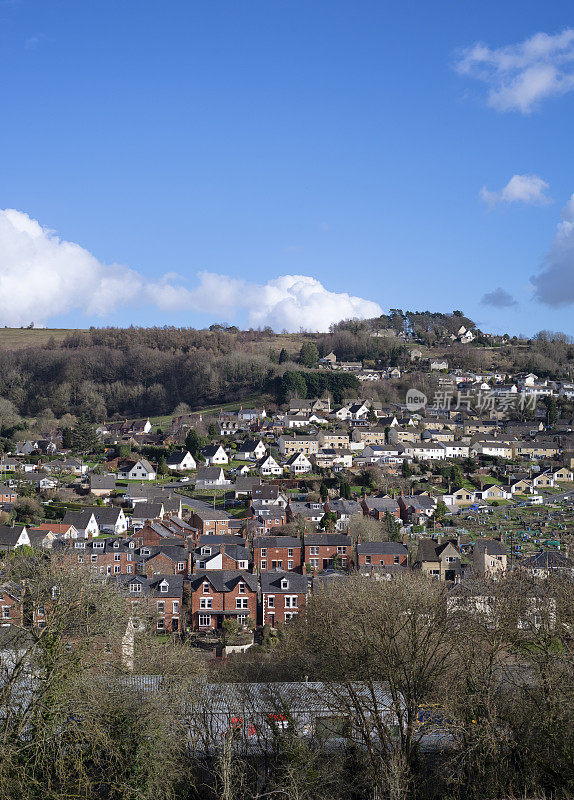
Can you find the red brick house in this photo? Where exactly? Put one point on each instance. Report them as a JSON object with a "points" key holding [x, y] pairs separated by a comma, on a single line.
{"points": [[283, 596], [217, 595], [210, 523], [163, 560], [11, 605], [7, 495], [101, 556], [327, 551], [225, 555], [276, 552], [386, 554], [154, 534], [378, 507], [164, 596]]}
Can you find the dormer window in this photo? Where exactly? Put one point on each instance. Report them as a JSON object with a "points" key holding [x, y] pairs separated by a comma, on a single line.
{"points": [[79, 545], [98, 545], [116, 545], [135, 588], [164, 586], [145, 551], [284, 583], [132, 545], [206, 551]]}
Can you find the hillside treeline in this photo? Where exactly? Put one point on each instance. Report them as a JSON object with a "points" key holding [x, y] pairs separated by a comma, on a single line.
{"points": [[128, 372]]}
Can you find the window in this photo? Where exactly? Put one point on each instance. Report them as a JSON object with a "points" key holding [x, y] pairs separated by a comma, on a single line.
{"points": [[135, 588], [160, 624], [284, 583], [264, 565], [160, 606], [291, 601], [367, 559], [450, 559], [241, 587], [117, 569], [204, 621], [206, 588], [242, 565], [94, 558], [314, 563], [163, 587], [341, 551], [116, 545], [396, 560], [55, 592], [263, 552], [289, 615], [98, 545], [343, 562], [271, 601], [129, 569], [40, 612], [130, 557], [289, 565], [5, 612], [80, 558], [181, 565], [176, 606], [241, 602], [206, 602], [117, 557], [313, 551], [241, 618], [290, 552], [276, 565]]}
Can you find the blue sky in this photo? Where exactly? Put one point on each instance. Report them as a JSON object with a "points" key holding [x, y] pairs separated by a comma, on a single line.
{"points": [[265, 138]]}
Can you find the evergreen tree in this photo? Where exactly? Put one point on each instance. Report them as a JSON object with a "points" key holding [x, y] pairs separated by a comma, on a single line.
{"points": [[67, 440], [391, 528], [406, 470], [194, 442], [323, 491], [309, 355], [162, 466], [456, 478], [283, 356], [84, 437], [345, 490], [551, 411]]}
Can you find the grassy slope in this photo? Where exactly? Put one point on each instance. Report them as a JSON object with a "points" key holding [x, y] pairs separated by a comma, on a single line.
{"points": [[18, 338]]}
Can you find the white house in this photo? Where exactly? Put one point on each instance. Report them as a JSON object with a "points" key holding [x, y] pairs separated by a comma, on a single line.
{"points": [[211, 476], [140, 470], [251, 450], [268, 466], [214, 454], [298, 464], [181, 461]]}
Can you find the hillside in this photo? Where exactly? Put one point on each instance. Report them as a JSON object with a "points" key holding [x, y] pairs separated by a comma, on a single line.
{"points": [[19, 338]]}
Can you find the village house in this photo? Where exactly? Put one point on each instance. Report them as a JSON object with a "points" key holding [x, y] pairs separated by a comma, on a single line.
{"points": [[215, 455], [164, 596], [140, 470], [382, 554], [490, 558], [268, 466], [146, 512], [84, 522], [276, 552], [12, 537], [309, 445], [166, 559], [378, 507], [345, 510], [180, 461], [210, 522], [7, 495], [210, 477], [334, 439], [219, 595], [269, 495], [220, 555], [11, 604], [110, 519], [111, 556], [102, 485], [157, 533], [251, 450], [416, 509], [326, 551], [440, 560], [283, 596], [298, 464]]}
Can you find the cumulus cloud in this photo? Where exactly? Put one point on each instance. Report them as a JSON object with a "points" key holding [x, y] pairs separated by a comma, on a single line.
{"points": [[554, 284], [289, 302], [498, 298], [43, 277], [529, 189], [520, 76]]}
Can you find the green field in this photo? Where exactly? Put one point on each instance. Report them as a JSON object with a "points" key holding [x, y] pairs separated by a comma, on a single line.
{"points": [[18, 338]]}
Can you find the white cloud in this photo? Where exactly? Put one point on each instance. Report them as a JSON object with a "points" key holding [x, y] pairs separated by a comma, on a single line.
{"points": [[520, 76], [529, 189], [43, 277], [554, 284], [289, 302]]}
